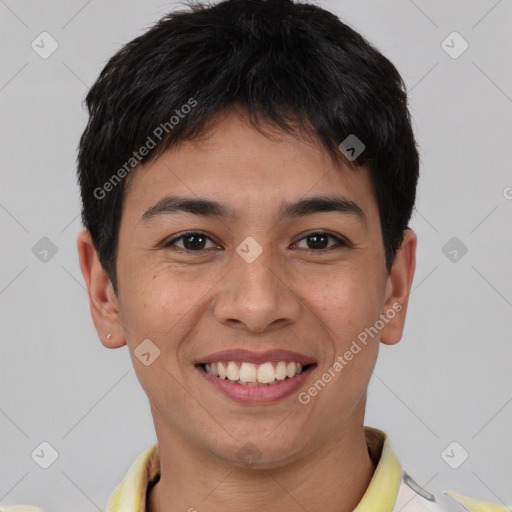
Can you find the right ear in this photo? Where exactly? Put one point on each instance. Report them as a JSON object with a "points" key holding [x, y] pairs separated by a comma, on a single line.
{"points": [[103, 302]]}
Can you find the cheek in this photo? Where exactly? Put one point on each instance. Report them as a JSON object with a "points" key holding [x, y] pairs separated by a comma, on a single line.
{"points": [[350, 303], [152, 303], [164, 307], [350, 308], [159, 309]]}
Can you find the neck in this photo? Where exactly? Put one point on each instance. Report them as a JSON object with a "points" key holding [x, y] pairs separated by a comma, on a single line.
{"points": [[333, 478]]}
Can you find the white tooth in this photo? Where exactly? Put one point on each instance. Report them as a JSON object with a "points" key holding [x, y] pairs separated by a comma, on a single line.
{"points": [[299, 369], [207, 368], [213, 368], [248, 372], [233, 372], [222, 370], [290, 369], [266, 373], [281, 370]]}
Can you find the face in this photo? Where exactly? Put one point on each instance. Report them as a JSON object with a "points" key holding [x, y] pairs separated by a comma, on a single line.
{"points": [[255, 274]]}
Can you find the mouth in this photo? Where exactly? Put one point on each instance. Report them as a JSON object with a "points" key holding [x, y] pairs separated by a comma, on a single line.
{"points": [[250, 378]]}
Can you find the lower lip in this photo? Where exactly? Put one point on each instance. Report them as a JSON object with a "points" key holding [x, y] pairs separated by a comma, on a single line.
{"points": [[257, 394]]}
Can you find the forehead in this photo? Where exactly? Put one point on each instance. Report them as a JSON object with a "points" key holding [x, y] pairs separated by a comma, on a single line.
{"points": [[237, 165]]}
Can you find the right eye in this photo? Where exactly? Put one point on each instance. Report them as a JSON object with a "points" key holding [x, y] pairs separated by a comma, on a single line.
{"points": [[193, 241]]}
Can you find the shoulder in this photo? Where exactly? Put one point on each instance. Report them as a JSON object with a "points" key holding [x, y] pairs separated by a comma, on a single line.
{"points": [[413, 498], [476, 505], [392, 484]]}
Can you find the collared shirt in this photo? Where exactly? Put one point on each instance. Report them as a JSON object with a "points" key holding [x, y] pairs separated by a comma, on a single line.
{"points": [[391, 488]]}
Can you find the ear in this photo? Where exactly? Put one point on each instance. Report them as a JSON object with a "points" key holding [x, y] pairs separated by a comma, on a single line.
{"points": [[398, 287], [102, 299]]}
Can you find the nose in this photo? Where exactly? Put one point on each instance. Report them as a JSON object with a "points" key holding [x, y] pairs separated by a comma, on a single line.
{"points": [[257, 296]]}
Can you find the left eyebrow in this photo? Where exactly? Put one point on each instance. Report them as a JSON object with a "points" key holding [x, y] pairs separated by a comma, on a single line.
{"points": [[321, 204], [208, 208]]}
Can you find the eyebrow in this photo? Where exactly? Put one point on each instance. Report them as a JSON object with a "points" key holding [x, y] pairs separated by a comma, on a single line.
{"points": [[208, 208]]}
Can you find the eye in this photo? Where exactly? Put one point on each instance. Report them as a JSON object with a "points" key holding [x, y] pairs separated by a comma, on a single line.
{"points": [[192, 241], [319, 239]]}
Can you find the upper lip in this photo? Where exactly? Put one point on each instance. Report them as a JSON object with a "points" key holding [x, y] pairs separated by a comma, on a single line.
{"points": [[244, 355]]}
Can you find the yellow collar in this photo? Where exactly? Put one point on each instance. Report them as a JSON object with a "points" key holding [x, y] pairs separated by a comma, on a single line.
{"points": [[380, 496]]}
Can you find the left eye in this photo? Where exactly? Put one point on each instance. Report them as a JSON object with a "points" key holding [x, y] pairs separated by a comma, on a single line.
{"points": [[319, 239]]}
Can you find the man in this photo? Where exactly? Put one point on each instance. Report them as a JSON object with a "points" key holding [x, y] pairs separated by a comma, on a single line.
{"points": [[247, 176]]}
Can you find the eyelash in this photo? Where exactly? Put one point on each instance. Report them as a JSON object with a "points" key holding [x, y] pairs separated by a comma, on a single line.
{"points": [[340, 241]]}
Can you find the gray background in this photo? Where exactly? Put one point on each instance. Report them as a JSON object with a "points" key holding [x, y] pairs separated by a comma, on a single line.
{"points": [[448, 380]]}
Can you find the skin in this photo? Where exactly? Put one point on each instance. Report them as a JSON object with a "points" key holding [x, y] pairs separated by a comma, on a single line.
{"points": [[312, 457]]}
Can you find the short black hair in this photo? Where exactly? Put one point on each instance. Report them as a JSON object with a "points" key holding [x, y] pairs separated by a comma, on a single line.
{"points": [[292, 64]]}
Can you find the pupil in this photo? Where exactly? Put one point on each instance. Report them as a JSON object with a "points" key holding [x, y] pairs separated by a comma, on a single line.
{"points": [[317, 237], [188, 239]]}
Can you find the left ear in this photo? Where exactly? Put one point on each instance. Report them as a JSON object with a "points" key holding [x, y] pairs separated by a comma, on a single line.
{"points": [[398, 287]]}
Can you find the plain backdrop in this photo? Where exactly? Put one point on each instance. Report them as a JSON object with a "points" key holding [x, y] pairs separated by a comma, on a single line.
{"points": [[443, 393]]}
